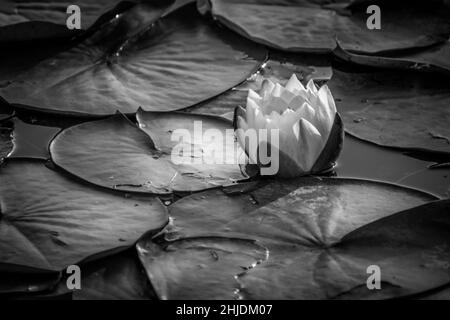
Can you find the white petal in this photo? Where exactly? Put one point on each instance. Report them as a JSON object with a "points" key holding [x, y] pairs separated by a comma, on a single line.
{"points": [[252, 106], [310, 142], [288, 119], [325, 95], [274, 103], [294, 84], [254, 96], [267, 87], [250, 150], [260, 120], [311, 87], [307, 112], [276, 92]]}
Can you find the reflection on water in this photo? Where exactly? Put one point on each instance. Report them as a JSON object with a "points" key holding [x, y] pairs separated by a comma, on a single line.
{"points": [[31, 141], [359, 159]]}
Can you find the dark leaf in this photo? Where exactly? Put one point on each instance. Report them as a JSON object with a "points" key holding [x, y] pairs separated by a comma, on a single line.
{"points": [[18, 283], [302, 223], [434, 58], [49, 221], [138, 59], [296, 27], [404, 110], [198, 268], [278, 68], [115, 153]]}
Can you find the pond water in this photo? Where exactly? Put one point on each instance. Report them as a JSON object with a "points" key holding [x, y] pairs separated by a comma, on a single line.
{"points": [[359, 159]]}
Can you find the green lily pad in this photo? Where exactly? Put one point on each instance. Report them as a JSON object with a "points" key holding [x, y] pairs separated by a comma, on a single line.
{"points": [[198, 268], [299, 28], [49, 221], [303, 223], [117, 154], [402, 110], [138, 59]]}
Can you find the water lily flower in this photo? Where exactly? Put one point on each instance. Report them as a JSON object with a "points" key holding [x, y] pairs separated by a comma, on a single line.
{"points": [[310, 131]]}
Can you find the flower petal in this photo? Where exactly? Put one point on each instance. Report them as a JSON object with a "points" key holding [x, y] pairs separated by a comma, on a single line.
{"points": [[274, 103], [252, 106], [294, 85], [310, 143], [267, 87], [243, 136], [254, 96], [325, 96], [311, 87]]}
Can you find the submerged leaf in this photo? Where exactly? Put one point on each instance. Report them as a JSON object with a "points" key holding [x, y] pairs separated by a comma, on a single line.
{"points": [[198, 268], [49, 221], [302, 223], [403, 110], [138, 59], [115, 153]]}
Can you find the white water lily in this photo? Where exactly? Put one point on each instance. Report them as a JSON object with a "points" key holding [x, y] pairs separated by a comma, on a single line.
{"points": [[310, 129]]}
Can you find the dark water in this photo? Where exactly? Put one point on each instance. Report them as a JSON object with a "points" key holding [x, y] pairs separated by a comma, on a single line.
{"points": [[359, 159]]}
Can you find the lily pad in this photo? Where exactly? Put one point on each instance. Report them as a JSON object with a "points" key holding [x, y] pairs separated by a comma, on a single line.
{"points": [[117, 277], [278, 68], [117, 154], [299, 28], [49, 221], [31, 140], [302, 223], [26, 20], [402, 110], [14, 11], [138, 59], [433, 59], [198, 268]]}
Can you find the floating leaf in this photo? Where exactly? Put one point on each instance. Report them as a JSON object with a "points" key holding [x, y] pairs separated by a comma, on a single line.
{"points": [[31, 141], [25, 20], [137, 60], [118, 277], [278, 68], [403, 110], [302, 224], [49, 221], [298, 28], [198, 268], [115, 153], [364, 160], [435, 58]]}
